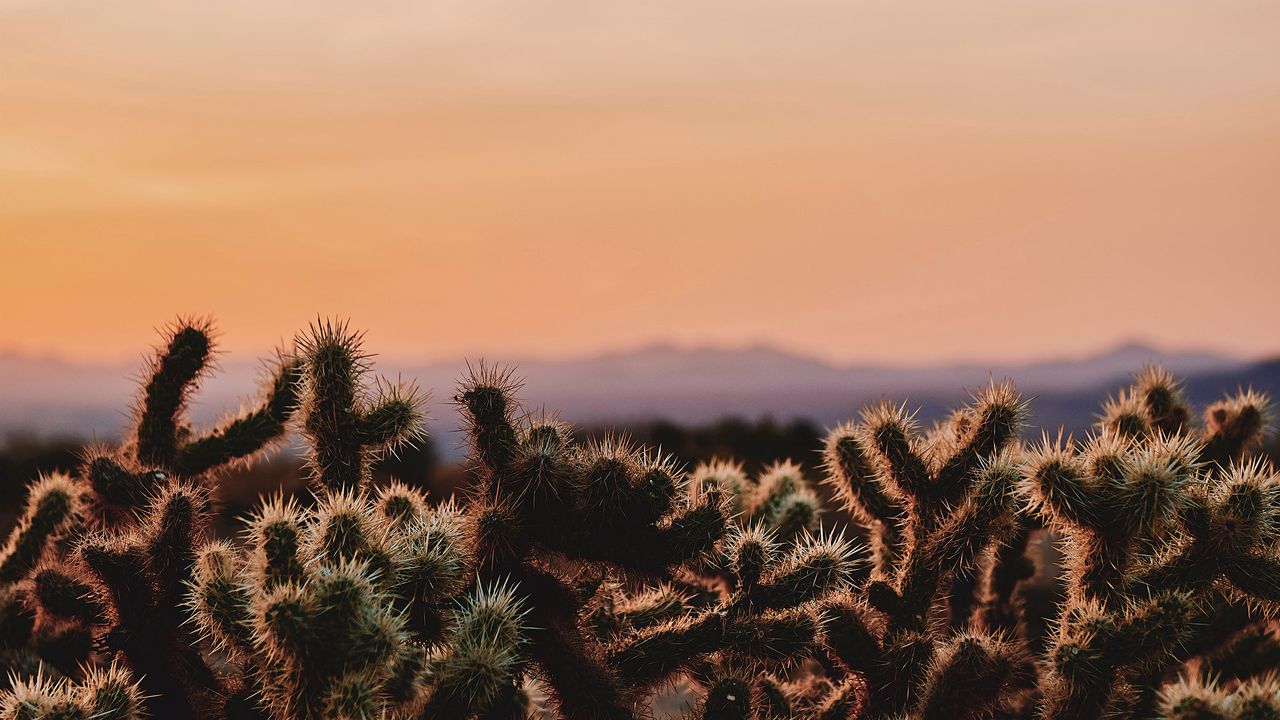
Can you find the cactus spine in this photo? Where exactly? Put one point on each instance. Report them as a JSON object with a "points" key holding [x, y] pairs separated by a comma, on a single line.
{"points": [[582, 578]]}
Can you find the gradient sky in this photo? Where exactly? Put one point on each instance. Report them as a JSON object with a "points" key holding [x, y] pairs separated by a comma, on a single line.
{"points": [[893, 181]]}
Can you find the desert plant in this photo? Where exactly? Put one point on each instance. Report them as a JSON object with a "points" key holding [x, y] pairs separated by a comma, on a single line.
{"points": [[1255, 699], [559, 518], [1171, 544], [105, 693], [99, 561], [365, 602], [587, 578]]}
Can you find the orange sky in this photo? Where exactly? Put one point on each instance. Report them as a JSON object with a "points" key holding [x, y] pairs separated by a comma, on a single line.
{"points": [[898, 181]]}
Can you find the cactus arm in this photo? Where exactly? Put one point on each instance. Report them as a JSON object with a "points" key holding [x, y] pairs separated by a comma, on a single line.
{"points": [[249, 431], [173, 374], [52, 505]]}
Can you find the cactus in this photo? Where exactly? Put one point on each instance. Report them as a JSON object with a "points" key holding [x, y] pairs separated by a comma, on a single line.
{"points": [[1257, 699], [585, 579], [559, 518], [935, 507], [105, 693], [99, 561], [336, 610], [163, 439], [345, 424], [365, 602], [53, 507], [1171, 543]]}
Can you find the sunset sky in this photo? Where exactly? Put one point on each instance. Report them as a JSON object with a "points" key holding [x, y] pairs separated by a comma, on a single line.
{"points": [[861, 181]]}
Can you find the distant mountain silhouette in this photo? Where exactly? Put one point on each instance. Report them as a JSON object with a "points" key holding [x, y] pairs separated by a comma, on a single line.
{"points": [[49, 396]]}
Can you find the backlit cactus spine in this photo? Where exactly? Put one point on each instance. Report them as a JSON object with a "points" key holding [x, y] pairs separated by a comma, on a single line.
{"points": [[597, 572], [117, 572], [1150, 479], [748, 609], [364, 604], [559, 519], [54, 510], [107, 693], [936, 507]]}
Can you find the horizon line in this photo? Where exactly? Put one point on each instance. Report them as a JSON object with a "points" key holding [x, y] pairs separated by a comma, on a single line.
{"points": [[675, 345]]}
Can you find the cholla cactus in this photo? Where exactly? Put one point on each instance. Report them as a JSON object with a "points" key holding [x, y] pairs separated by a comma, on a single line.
{"points": [[1257, 699], [557, 518], [138, 579], [1171, 543], [101, 559], [163, 444], [771, 620], [936, 509], [748, 609], [54, 505], [781, 498], [162, 438], [592, 575], [347, 426], [339, 610], [53, 511], [360, 605], [106, 693]]}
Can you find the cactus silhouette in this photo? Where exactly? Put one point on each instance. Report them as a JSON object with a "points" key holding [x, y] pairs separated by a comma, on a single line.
{"points": [[98, 564], [598, 579], [1171, 543]]}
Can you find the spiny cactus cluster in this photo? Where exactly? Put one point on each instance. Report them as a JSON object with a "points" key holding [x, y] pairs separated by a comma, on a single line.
{"points": [[1171, 544], [98, 564], [103, 692], [597, 579]]}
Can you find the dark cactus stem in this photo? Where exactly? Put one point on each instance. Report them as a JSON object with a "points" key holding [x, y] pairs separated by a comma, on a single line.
{"points": [[1249, 652], [53, 504], [1104, 567], [967, 681], [485, 399], [581, 683], [992, 424], [173, 375], [511, 704], [907, 657], [65, 596], [333, 366], [346, 428], [999, 607], [728, 699], [963, 602], [1077, 699], [900, 462], [150, 639], [144, 576], [246, 434], [118, 491]]}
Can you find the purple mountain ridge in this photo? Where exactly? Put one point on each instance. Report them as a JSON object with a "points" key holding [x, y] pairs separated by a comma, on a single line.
{"points": [[53, 397]]}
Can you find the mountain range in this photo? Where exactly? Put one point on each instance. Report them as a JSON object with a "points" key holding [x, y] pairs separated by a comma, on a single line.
{"points": [[40, 396]]}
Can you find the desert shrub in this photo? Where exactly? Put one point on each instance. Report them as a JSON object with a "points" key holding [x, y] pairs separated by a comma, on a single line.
{"points": [[582, 578]]}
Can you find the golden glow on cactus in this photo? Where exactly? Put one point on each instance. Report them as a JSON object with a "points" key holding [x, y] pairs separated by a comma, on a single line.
{"points": [[589, 574]]}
